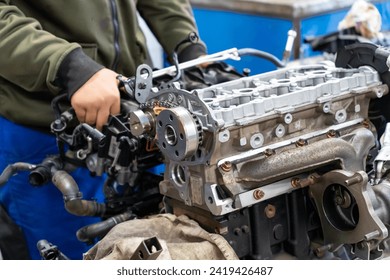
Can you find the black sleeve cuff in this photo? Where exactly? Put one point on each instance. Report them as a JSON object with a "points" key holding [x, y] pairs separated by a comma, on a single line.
{"points": [[192, 51], [75, 70]]}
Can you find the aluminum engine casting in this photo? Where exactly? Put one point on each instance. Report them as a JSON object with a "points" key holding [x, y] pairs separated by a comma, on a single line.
{"points": [[264, 140]]}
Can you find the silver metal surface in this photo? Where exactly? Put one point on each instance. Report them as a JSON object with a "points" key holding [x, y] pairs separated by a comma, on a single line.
{"points": [[232, 145]]}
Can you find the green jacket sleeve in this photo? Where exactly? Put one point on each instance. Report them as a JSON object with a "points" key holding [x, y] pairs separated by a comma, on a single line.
{"points": [[33, 58], [171, 22]]}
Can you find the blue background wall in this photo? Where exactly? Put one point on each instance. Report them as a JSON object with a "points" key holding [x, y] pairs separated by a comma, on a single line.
{"points": [[224, 30]]}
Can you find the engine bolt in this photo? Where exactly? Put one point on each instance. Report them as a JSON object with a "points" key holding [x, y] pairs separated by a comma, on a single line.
{"points": [[331, 133], [245, 229], [215, 105], [372, 235], [366, 124], [258, 194], [302, 183], [269, 152], [246, 72], [270, 211], [292, 86], [320, 251], [295, 183], [301, 143], [328, 77], [237, 231], [354, 180], [142, 85], [226, 166]]}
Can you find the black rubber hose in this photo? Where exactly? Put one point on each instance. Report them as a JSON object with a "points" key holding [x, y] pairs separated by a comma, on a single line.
{"points": [[74, 203], [43, 171], [90, 232], [12, 169], [261, 54]]}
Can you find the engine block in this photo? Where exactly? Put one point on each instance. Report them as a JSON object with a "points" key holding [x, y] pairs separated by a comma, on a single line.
{"points": [[255, 159], [230, 134]]}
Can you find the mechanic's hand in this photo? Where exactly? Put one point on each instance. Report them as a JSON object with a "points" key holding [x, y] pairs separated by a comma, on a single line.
{"points": [[97, 98]]}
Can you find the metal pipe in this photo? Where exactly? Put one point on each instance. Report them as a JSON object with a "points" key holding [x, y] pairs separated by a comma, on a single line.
{"points": [[12, 169], [74, 203], [351, 155]]}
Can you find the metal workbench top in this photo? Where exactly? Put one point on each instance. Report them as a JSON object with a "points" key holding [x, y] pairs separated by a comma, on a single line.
{"points": [[290, 9]]}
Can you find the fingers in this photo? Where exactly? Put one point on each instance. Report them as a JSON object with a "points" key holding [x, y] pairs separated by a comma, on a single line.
{"points": [[95, 117], [102, 114], [91, 116], [101, 118], [116, 106], [97, 99], [80, 114]]}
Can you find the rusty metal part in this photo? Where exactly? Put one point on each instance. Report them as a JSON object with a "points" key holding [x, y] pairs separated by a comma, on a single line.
{"points": [[258, 194], [226, 166], [270, 211]]}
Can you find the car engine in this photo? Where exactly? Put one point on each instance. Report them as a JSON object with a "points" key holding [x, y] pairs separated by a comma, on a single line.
{"points": [[275, 162], [284, 165]]}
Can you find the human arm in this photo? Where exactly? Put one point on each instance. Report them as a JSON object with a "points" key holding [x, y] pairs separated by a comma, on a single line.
{"points": [[44, 65], [171, 22], [30, 56]]}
